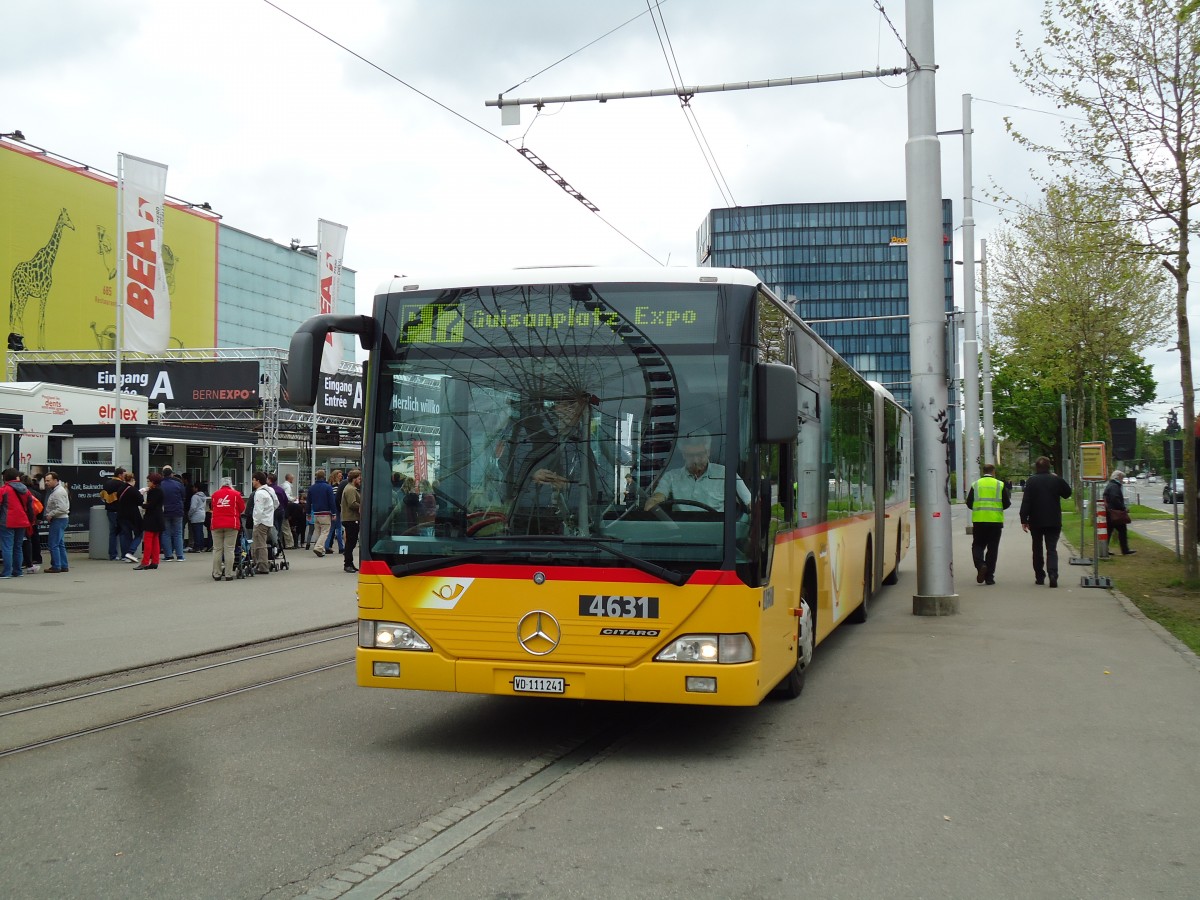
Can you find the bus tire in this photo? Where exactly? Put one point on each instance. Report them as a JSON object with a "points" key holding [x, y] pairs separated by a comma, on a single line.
{"points": [[894, 575], [793, 683], [859, 615]]}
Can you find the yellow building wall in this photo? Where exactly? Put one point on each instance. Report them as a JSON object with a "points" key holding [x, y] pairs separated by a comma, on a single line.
{"points": [[58, 258]]}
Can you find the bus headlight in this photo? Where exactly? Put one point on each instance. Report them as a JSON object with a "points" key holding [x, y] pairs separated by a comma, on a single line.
{"points": [[716, 648], [389, 636]]}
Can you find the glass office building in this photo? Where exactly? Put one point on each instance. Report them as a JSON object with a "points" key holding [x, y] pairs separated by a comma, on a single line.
{"points": [[847, 266]]}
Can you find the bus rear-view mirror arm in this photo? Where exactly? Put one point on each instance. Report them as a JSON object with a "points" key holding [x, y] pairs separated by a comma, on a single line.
{"points": [[308, 343]]}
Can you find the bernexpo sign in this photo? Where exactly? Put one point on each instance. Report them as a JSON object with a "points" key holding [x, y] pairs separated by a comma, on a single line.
{"points": [[177, 385]]}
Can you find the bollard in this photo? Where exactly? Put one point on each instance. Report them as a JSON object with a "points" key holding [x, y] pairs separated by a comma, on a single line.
{"points": [[1102, 529]]}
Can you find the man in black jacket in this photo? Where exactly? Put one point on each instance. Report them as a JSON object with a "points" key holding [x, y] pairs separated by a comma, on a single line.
{"points": [[1041, 516]]}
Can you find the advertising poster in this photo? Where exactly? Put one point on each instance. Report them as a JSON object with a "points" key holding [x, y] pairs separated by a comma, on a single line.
{"points": [[83, 488], [58, 258], [1093, 461]]}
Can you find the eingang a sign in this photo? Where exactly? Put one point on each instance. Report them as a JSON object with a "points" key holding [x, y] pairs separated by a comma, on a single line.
{"points": [[177, 385]]}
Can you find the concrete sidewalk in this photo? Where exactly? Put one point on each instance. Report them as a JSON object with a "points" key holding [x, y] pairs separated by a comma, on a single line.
{"points": [[102, 615], [1041, 743], [1015, 576]]}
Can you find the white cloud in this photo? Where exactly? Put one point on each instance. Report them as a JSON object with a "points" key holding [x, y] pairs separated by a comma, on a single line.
{"points": [[275, 126]]}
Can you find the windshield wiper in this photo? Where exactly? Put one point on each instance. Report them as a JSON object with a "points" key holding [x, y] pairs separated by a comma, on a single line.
{"points": [[424, 565], [606, 544]]}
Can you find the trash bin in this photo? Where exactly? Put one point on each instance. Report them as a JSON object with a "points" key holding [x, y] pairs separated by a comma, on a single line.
{"points": [[98, 533]]}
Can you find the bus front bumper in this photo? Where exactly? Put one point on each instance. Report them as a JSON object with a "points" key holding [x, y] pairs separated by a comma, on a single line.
{"points": [[705, 684]]}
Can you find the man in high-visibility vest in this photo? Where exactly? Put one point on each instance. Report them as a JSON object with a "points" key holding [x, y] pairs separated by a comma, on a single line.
{"points": [[988, 498]]}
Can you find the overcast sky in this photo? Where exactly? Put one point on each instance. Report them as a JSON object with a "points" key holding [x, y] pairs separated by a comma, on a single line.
{"points": [[276, 126]]}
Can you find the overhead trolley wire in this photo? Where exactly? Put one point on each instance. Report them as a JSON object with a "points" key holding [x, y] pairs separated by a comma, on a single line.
{"points": [[574, 52], [558, 180], [689, 114]]}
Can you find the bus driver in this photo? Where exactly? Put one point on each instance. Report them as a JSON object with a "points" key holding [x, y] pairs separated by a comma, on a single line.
{"points": [[699, 480]]}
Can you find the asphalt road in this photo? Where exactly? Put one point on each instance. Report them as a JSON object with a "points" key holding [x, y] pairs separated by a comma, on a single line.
{"points": [[1038, 744]]}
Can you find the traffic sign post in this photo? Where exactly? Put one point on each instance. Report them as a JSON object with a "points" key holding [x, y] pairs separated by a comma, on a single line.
{"points": [[1093, 468]]}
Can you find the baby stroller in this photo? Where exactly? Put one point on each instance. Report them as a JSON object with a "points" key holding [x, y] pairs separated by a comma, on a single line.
{"points": [[276, 556], [243, 563]]}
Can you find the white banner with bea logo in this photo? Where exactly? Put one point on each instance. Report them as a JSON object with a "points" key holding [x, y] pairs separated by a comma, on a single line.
{"points": [[331, 244], [141, 198]]}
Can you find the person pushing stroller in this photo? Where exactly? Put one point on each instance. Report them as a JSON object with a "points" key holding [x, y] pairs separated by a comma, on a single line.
{"points": [[228, 506]]}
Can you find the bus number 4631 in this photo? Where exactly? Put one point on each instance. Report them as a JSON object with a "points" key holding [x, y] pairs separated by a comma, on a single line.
{"points": [[618, 607]]}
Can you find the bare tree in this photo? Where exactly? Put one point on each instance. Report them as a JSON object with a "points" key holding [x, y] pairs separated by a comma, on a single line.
{"points": [[1130, 71]]}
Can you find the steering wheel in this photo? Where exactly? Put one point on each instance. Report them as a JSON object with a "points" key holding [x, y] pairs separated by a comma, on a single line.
{"points": [[673, 502]]}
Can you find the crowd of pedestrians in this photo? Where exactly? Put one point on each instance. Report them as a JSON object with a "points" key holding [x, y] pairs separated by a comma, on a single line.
{"points": [[167, 517]]}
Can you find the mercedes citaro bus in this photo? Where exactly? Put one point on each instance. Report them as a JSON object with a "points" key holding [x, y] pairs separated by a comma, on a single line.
{"points": [[618, 484]]}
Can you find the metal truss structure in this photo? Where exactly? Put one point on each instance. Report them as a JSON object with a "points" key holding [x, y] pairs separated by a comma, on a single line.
{"points": [[271, 421]]}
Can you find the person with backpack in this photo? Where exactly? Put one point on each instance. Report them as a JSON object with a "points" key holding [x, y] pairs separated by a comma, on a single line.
{"points": [[16, 518], [32, 546]]}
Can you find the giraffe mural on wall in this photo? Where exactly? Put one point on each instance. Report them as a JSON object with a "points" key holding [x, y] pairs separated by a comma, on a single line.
{"points": [[105, 250], [34, 278]]}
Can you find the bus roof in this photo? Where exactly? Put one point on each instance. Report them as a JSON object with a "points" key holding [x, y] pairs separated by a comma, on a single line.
{"points": [[569, 275]]}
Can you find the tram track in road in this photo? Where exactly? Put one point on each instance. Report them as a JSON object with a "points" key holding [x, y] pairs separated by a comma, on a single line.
{"points": [[49, 715], [402, 865]]}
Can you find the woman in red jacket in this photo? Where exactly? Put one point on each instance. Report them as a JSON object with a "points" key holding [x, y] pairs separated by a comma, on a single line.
{"points": [[227, 508], [16, 518]]}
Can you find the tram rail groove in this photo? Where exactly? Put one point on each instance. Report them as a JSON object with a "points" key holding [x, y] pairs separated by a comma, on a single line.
{"points": [[400, 866], [51, 686], [43, 717], [175, 707]]}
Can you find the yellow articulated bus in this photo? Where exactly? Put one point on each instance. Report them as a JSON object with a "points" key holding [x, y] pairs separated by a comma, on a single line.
{"points": [[616, 484]]}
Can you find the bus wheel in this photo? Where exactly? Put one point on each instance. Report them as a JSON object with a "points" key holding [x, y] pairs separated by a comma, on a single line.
{"points": [[860, 614], [793, 682], [894, 576]]}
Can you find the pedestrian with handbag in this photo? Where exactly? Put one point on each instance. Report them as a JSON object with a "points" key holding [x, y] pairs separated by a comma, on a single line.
{"points": [[1117, 511]]}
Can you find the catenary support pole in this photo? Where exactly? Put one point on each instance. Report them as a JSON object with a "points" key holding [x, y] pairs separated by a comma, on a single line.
{"points": [[927, 329], [989, 438], [970, 332]]}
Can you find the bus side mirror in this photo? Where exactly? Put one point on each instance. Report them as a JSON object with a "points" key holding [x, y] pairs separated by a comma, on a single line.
{"points": [[307, 347], [776, 403], [303, 369]]}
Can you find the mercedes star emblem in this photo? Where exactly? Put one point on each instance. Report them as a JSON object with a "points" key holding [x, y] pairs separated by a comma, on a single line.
{"points": [[538, 632]]}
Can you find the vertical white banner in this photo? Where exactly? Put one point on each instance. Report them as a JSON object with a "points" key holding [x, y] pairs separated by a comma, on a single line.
{"points": [[141, 197], [331, 244]]}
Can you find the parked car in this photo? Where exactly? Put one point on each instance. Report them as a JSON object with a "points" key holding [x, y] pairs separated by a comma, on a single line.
{"points": [[1178, 493]]}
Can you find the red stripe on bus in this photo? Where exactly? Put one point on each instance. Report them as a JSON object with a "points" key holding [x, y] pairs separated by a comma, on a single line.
{"points": [[557, 573]]}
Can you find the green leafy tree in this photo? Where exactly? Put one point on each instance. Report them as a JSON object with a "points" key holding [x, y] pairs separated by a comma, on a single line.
{"points": [[1127, 74], [1076, 306], [1029, 412]]}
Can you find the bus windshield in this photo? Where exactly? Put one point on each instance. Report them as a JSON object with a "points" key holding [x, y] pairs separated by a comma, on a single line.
{"points": [[557, 423]]}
